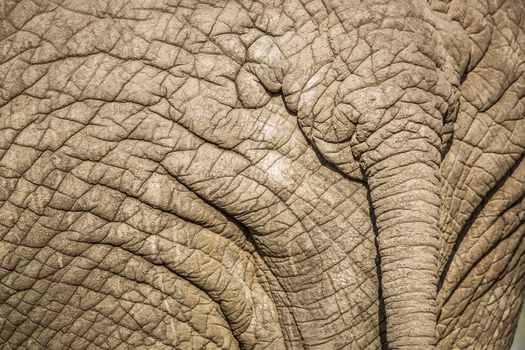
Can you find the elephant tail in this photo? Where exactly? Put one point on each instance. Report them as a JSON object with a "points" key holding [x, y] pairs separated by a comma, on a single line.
{"points": [[401, 161]]}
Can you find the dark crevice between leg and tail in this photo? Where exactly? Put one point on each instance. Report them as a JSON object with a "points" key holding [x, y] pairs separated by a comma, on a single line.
{"points": [[381, 312]]}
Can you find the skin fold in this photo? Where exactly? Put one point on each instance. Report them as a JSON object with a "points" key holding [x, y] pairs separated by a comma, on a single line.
{"points": [[261, 175]]}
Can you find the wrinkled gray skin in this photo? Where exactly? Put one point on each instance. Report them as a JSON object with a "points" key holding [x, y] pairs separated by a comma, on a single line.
{"points": [[261, 175]]}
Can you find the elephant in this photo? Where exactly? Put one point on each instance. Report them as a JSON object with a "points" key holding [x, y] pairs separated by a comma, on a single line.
{"points": [[256, 174]]}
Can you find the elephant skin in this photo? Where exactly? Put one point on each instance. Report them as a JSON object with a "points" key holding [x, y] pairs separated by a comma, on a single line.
{"points": [[184, 174]]}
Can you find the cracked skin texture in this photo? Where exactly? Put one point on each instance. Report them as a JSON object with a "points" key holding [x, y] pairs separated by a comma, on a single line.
{"points": [[202, 175]]}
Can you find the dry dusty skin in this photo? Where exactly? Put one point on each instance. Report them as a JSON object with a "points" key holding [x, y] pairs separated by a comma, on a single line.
{"points": [[261, 175]]}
